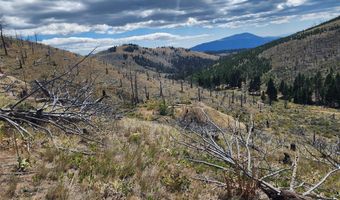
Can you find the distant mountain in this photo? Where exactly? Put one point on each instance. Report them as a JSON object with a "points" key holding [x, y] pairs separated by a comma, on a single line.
{"points": [[177, 62], [238, 41], [306, 52]]}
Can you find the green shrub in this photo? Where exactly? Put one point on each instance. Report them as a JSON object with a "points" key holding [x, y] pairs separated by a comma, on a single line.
{"points": [[163, 108], [175, 182], [135, 138]]}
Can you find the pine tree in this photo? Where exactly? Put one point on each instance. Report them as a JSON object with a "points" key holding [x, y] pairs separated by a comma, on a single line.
{"points": [[263, 96], [297, 88], [255, 84], [271, 91], [282, 86], [337, 85], [307, 91], [330, 89], [318, 87], [329, 78], [331, 92], [285, 90]]}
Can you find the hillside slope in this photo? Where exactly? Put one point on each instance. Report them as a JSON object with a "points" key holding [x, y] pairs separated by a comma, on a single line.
{"points": [[308, 51], [138, 157], [238, 41], [315, 49], [179, 62]]}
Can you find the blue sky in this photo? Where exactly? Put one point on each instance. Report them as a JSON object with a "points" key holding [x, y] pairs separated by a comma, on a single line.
{"points": [[80, 25]]}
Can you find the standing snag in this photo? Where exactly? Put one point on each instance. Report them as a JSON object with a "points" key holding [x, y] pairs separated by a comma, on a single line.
{"points": [[4, 45], [244, 154]]}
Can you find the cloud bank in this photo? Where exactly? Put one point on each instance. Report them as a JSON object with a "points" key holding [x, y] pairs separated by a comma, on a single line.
{"points": [[117, 16], [67, 18]]}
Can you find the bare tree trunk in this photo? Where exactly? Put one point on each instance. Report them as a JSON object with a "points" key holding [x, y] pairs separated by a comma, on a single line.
{"points": [[20, 64], [241, 100], [160, 89], [132, 90], [3, 40], [181, 86], [36, 38], [191, 81], [147, 76], [199, 93], [232, 97], [146, 93], [120, 83], [136, 90]]}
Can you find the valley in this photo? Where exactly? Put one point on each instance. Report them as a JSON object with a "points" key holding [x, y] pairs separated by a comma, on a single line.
{"points": [[133, 122]]}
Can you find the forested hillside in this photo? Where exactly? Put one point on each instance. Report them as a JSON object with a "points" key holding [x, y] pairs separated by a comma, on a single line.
{"points": [[176, 62], [307, 52]]}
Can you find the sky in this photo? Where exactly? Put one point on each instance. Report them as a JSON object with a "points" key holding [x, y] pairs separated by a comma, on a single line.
{"points": [[81, 25]]}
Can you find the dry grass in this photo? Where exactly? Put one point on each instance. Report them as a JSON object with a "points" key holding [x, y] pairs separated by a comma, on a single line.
{"points": [[139, 159], [12, 186], [59, 192]]}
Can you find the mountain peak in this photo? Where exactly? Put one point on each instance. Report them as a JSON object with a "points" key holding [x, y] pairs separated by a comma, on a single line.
{"points": [[238, 41]]}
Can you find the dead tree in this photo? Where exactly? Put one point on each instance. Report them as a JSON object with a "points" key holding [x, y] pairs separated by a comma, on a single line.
{"points": [[147, 96], [3, 39], [245, 155], [232, 97], [241, 100], [132, 89], [161, 89], [120, 83], [36, 38], [147, 76], [191, 80], [62, 103], [136, 90], [199, 93], [181, 86]]}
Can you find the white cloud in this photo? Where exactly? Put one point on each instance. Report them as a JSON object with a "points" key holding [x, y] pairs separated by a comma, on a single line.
{"points": [[65, 6], [132, 26], [151, 12], [15, 21], [282, 20], [291, 3], [83, 45], [52, 29], [320, 15], [57, 28]]}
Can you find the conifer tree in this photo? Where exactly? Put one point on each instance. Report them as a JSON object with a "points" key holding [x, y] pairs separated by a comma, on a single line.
{"points": [[263, 96], [255, 84], [271, 91], [337, 85], [282, 85], [330, 89], [318, 87]]}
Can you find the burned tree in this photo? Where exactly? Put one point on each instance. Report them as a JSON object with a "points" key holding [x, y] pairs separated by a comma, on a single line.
{"points": [[60, 103], [147, 95], [136, 90], [161, 89], [4, 45], [199, 93], [245, 151]]}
